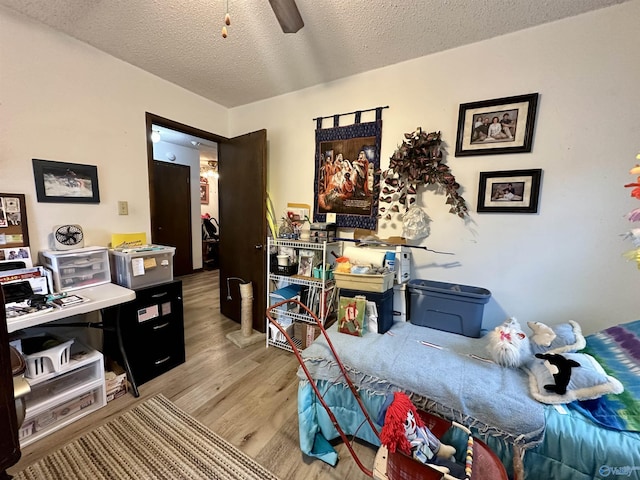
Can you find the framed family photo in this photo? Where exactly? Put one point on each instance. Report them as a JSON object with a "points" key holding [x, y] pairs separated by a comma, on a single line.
{"points": [[502, 125], [511, 191], [60, 182], [305, 264]]}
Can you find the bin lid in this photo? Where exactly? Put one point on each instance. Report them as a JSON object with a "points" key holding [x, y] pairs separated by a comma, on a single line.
{"points": [[449, 288]]}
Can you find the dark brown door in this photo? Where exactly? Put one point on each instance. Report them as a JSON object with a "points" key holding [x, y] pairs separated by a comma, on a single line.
{"points": [[9, 446], [243, 222], [171, 219]]}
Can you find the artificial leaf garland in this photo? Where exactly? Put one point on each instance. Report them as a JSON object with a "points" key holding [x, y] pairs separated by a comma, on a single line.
{"points": [[418, 161]]}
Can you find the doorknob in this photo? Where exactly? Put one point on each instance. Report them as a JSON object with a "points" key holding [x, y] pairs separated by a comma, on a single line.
{"points": [[259, 247]]}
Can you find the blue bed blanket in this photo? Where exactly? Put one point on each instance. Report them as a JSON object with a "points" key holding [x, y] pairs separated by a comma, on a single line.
{"points": [[617, 349], [452, 381]]}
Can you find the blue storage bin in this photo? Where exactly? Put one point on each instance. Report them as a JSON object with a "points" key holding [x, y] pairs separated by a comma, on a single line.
{"points": [[384, 305], [447, 306]]}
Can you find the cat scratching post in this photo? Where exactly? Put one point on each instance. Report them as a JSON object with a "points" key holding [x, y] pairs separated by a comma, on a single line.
{"points": [[246, 335]]}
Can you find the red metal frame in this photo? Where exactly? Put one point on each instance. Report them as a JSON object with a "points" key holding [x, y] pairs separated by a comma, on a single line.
{"points": [[352, 387], [490, 465]]}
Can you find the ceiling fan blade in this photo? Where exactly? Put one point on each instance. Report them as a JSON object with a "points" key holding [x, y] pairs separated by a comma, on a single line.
{"points": [[287, 14]]}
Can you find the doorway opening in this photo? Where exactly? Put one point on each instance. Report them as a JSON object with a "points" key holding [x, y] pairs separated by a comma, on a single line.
{"points": [[242, 165], [183, 188]]}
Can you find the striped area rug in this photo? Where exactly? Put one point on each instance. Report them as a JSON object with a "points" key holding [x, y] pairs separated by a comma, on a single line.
{"points": [[155, 440]]}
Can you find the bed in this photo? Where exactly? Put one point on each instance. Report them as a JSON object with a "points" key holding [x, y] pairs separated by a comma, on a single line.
{"points": [[450, 375]]}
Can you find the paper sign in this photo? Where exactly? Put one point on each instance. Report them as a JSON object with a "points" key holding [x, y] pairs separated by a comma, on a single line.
{"points": [[166, 308], [145, 314], [3, 239], [15, 238], [128, 240], [150, 262], [137, 266]]}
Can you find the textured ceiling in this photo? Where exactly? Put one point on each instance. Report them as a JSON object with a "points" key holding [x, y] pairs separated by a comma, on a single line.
{"points": [[180, 40]]}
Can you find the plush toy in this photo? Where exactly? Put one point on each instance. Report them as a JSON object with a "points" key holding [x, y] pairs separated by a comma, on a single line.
{"points": [[508, 344], [560, 367], [405, 431], [542, 334]]}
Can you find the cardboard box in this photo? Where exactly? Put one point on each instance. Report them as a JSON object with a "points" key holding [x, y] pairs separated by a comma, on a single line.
{"points": [[400, 302], [368, 283], [403, 264], [306, 333], [115, 381]]}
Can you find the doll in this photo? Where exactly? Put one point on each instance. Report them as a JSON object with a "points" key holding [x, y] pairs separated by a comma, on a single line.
{"points": [[405, 431]]}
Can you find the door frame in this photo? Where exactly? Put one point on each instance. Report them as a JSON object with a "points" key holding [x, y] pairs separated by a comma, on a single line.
{"points": [[152, 119]]}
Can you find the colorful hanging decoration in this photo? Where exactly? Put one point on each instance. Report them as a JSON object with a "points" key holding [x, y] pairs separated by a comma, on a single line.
{"points": [[347, 170], [634, 216]]}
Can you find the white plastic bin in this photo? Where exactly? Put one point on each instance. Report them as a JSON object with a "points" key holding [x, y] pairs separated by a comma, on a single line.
{"points": [[41, 360], [142, 267]]}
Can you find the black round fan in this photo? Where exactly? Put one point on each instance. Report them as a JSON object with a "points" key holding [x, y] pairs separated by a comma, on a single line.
{"points": [[68, 236]]}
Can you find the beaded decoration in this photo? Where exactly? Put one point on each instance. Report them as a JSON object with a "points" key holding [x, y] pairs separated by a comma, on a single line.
{"points": [[469, 459]]}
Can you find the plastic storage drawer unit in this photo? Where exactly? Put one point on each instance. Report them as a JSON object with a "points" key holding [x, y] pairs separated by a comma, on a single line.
{"points": [[143, 267], [447, 306], [78, 268], [384, 305]]}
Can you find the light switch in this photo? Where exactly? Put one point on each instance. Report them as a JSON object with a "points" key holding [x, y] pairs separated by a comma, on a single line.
{"points": [[123, 208]]}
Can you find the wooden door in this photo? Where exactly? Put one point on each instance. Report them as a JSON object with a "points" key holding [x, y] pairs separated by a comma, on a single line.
{"points": [[9, 446], [243, 225], [171, 218]]}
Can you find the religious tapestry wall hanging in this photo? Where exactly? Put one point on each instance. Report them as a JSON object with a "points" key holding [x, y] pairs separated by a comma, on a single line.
{"points": [[347, 165]]}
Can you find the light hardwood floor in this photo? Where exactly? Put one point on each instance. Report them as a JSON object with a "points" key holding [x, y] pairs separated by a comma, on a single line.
{"points": [[248, 396]]}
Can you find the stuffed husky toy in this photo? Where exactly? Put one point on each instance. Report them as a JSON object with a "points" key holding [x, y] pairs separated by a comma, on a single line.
{"points": [[508, 345]]}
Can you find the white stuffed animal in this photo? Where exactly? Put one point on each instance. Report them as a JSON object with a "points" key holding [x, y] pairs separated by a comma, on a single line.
{"points": [[542, 334], [508, 345]]}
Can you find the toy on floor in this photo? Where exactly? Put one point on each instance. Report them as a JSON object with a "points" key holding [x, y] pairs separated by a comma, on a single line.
{"points": [[405, 431]]}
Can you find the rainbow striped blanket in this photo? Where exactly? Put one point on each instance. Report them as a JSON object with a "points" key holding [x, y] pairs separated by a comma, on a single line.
{"points": [[618, 351]]}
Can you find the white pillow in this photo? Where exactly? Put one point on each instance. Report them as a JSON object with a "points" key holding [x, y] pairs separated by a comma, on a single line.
{"points": [[588, 381], [569, 338]]}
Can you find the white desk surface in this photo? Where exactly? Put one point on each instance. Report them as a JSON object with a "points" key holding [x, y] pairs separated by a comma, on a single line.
{"points": [[100, 296]]}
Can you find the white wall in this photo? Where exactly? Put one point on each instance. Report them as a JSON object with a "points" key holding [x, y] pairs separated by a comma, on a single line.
{"points": [[212, 207], [563, 263], [63, 100]]}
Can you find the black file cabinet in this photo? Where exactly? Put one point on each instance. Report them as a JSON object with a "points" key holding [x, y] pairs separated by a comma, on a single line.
{"points": [[152, 331]]}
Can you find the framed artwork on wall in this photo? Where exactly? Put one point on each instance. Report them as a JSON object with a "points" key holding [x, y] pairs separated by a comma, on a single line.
{"points": [[347, 177], [204, 193], [510, 191], [502, 125], [61, 182]]}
